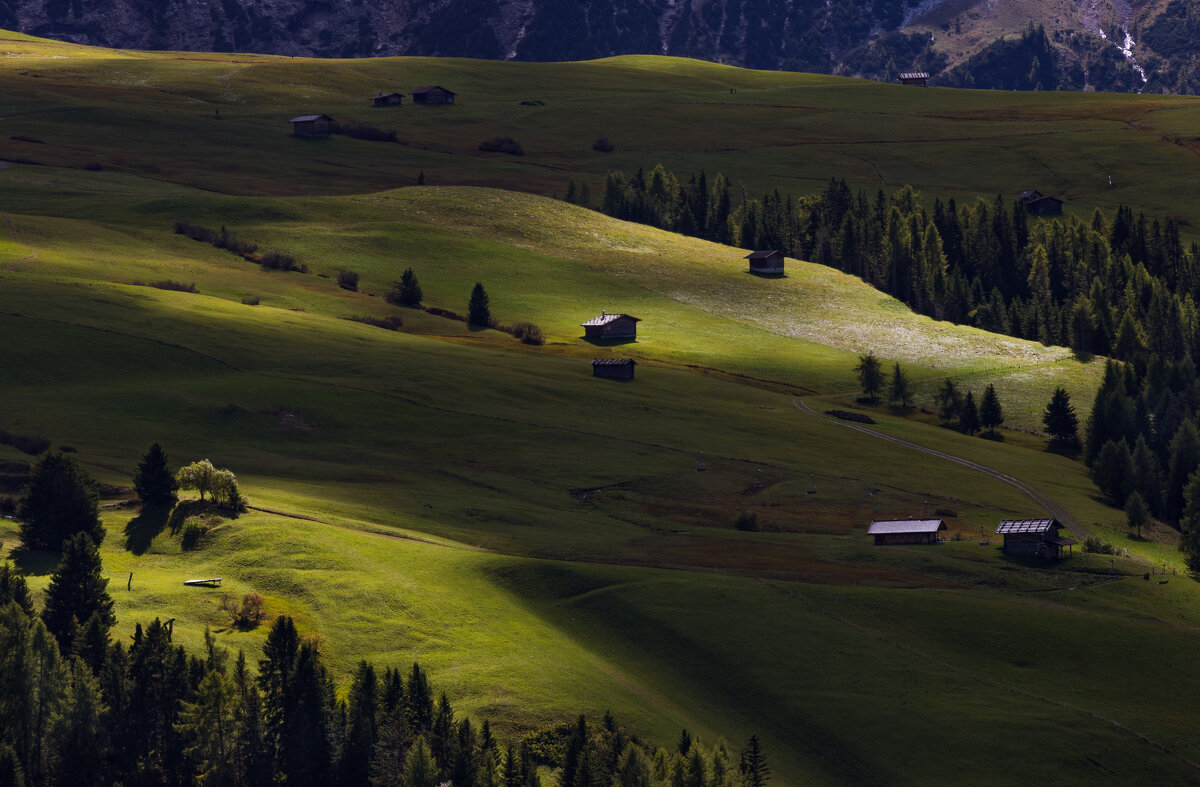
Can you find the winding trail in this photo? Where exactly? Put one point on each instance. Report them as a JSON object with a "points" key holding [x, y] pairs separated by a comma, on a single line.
{"points": [[1059, 513]]}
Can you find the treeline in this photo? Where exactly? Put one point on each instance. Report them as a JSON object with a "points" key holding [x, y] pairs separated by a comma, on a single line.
{"points": [[1119, 285]]}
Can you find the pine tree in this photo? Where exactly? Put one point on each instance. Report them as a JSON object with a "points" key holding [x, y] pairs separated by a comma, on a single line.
{"points": [[870, 376], [154, 482], [968, 418], [1184, 460], [754, 768], [478, 310], [634, 769], [442, 738], [1060, 420], [361, 728], [420, 701], [76, 592], [419, 768], [1112, 470], [990, 413], [58, 502], [209, 726], [13, 588], [1189, 524], [407, 291], [900, 390]]}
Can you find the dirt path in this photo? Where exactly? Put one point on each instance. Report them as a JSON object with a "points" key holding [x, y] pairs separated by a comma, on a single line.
{"points": [[1059, 513]]}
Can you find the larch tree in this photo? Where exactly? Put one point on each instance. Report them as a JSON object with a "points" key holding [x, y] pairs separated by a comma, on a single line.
{"points": [[755, 772], [900, 389]]}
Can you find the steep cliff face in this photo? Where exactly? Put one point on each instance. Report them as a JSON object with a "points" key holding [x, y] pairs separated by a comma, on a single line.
{"points": [[1093, 40]]}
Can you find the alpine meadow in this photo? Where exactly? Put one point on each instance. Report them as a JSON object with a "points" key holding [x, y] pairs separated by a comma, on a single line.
{"points": [[319, 366]]}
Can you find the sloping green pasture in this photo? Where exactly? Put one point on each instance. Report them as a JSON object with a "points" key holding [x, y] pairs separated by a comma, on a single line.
{"points": [[545, 542]]}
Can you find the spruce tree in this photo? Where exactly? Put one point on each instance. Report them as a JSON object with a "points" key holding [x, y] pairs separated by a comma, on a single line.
{"points": [[1184, 460], [478, 310], [407, 291], [990, 413], [419, 768], [1189, 524], [13, 588], [968, 420], [870, 376], [1060, 420], [755, 772], [361, 728], [58, 502], [154, 482], [442, 738], [76, 592], [1112, 470], [949, 401], [420, 701]]}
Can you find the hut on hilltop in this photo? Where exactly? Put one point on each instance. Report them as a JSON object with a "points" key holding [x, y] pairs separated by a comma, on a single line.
{"points": [[767, 263], [919, 78], [312, 125], [432, 94], [611, 326]]}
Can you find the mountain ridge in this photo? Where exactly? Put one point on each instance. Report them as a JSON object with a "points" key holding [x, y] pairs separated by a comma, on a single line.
{"points": [[1110, 45]]}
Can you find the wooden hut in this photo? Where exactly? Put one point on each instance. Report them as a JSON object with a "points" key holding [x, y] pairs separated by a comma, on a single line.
{"points": [[613, 368], [914, 78], [1034, 538], [611, 326], [1039, 204], [906, 531], [387, 99], [767, 263], [432, 94], [311, 125]]}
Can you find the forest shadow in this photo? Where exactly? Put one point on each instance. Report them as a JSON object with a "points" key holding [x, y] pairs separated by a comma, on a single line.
{"points": [[141, 531], [613, 342], [34, 562]]}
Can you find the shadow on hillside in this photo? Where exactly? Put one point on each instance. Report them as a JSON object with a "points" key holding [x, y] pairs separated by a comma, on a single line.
{"points": [[141, 531], [190, 508], [33, 562], [765, 275], [1082, 356]]}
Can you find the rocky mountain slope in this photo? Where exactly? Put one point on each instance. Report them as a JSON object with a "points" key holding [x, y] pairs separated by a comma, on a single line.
{"points": [[1103, 44]]}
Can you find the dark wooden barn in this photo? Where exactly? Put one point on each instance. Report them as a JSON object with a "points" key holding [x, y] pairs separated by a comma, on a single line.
{"points": [[1039, 204], [311, 125], [906, 531], [388, 99], [611, 326], [432, 94], [613, 368], [766, 262], [1034, 538], [914, 78]]}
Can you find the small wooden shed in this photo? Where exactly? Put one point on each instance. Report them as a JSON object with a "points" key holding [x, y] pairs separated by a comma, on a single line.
{"points": [[1039, 204], [311, 125], [432, 94], [387, 99], [611, 326], [768, 263], [613, 368], [1034, 538], [906, 531], [914, 78]]}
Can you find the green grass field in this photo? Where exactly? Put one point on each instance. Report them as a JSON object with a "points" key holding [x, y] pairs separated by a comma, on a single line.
{"points": [[542, 540]]}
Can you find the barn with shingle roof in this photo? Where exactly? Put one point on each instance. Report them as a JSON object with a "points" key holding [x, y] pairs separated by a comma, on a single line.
{"points": [[611, 326], [1034, 537], [906, 531], [613, 368]]}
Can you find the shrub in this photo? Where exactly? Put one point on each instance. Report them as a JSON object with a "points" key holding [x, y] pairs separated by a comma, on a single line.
{"points": [[437, 311], [528, 333], [502, 145], [602, 145], [1094, 544], [169, 284], [251, 300], [747, 520], [407, 291], [347, 279], [246, 615], [278, 261], [390, 323], [26, 444], [193, 534]]}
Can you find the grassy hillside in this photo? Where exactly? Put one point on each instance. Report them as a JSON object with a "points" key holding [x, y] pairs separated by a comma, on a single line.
{"points": [[544, 541]]}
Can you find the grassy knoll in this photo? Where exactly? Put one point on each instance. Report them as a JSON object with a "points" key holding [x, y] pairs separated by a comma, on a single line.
{"points": [[543, 541]]}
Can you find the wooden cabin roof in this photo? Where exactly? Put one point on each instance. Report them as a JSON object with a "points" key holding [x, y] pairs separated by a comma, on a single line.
{"points": [[762, 255], [430, 88], [308, 118], [914, 75], [605, 318], [613, 362], [890, 526], [1028, 526], [389, 94]]}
